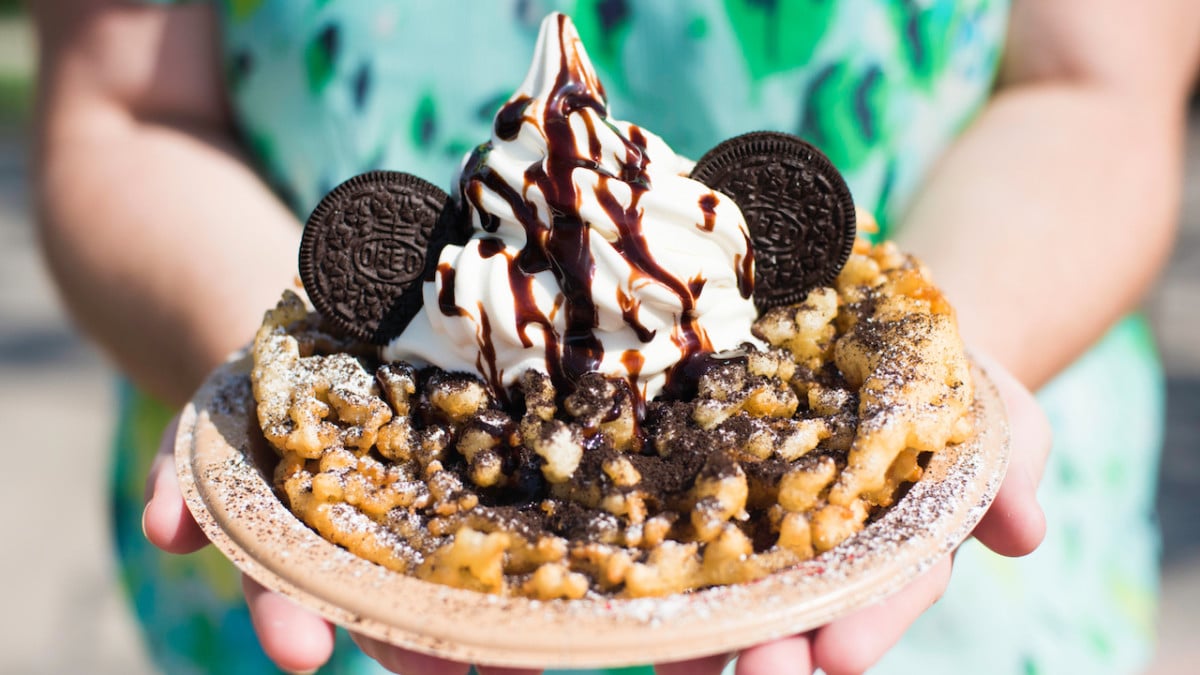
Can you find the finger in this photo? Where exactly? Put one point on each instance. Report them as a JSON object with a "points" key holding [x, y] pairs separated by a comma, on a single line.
{"points": [[166, 521], [789, 656], [369, 646], [497, 670], [1015, 524], [403, 661], [292, 637], [708, 665], [855, 643], [413, 663]]}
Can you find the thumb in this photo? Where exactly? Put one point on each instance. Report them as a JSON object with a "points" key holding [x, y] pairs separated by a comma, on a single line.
{"points": [[1015, 524], [166, 521]]}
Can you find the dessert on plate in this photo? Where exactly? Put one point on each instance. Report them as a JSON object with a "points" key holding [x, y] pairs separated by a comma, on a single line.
{"points": [[598, 369]]}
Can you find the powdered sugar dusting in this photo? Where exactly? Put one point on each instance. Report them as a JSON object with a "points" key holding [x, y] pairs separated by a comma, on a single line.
{"points": [[224, 475]]}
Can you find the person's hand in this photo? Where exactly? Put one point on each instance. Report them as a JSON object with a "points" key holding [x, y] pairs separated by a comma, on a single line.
{"points": [[298, 640]]}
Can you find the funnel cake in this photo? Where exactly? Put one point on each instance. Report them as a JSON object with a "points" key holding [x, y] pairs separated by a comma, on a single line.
{"points": [[228, 472]]}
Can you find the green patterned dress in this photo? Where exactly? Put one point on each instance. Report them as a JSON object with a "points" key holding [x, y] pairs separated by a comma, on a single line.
{"points": [[324, 89]]}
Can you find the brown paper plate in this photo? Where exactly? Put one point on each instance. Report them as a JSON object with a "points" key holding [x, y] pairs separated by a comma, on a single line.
{"points": [[225, 466]]}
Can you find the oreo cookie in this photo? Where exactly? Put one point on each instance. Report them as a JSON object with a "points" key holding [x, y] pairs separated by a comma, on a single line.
{"points": [[369, 245], [797, 206]]}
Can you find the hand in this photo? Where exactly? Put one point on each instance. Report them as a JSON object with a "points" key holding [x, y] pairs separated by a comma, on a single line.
{"points": [[297, 640]]}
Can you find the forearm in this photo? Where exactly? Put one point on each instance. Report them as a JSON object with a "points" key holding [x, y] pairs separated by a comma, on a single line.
{"points": [[165, 246], [1049, 219]]}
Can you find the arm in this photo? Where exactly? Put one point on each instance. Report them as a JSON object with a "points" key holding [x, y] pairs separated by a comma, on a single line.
{"points": [[1052, 214], [164, 244]]}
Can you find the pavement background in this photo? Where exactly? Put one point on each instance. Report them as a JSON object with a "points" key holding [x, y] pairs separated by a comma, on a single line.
{"points": [[65, 614]]}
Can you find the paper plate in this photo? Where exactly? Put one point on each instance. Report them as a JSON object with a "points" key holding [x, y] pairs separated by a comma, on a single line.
{"points": [[225, 467]]}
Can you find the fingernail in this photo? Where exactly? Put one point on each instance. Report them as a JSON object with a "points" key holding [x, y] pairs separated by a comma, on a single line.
{"points": [[144, 510]]}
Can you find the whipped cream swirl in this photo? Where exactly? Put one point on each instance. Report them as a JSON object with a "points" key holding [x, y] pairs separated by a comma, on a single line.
{"points": [[592, 250]]}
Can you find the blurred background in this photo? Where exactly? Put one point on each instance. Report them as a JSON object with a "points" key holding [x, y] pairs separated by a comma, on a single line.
{"points": [[64, 609]]}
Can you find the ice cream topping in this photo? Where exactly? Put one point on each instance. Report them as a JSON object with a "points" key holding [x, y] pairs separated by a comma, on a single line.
{"points": [[591, 249]]}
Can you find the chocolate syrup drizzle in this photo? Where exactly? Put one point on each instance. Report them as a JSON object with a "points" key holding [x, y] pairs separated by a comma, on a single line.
{"points": [[563, 245], [708, 204]]}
